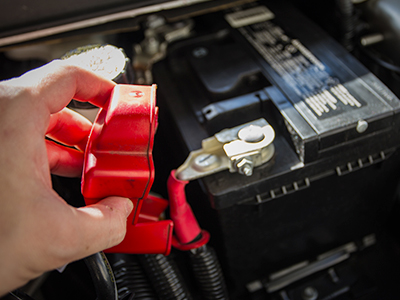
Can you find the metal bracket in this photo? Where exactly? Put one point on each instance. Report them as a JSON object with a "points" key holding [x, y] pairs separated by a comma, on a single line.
{"points": [[238, 149], [158, 35]]}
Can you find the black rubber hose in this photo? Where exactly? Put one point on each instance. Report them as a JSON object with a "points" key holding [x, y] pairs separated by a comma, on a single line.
{"points": [[102, 276], [380, 61], [18, 295], [132, 282], [347, 22], [165, 277], [208, 273]]}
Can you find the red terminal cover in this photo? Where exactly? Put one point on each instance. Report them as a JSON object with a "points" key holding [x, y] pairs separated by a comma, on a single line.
{"points": [[119, 162]]}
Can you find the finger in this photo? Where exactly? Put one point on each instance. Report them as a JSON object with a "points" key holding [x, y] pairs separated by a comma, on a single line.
{"points": [[103, 224], [74, 233], [69, 128], [58, 82], [64, 161]]}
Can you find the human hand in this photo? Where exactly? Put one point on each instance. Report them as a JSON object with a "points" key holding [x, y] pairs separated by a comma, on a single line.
{"points": [[39, 231]]}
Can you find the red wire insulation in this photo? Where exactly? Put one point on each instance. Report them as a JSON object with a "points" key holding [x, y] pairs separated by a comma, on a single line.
{"points": [[186, 227]]}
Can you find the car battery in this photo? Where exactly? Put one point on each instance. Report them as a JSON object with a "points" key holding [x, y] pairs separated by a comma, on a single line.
{"points": [[334, 171]]}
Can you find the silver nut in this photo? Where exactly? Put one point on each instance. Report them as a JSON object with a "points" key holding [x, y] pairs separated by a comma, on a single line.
{"points": [[245, 166]]}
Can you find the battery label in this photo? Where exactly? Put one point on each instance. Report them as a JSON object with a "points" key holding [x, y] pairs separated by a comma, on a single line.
{"points": [[298, 67]]}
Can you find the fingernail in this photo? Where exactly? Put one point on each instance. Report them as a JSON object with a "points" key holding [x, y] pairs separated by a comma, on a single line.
{"points": [[128, 207]]}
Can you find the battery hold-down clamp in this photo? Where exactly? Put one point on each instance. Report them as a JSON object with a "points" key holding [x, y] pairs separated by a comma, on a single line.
{"points": [[119, 162]]}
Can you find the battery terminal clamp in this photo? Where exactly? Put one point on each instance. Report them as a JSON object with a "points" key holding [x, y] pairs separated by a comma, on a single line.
{"points": [[238, 149], [119, 162]]}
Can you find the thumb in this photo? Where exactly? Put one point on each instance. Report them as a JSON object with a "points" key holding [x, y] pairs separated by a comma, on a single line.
{"points": [[103, 225]]}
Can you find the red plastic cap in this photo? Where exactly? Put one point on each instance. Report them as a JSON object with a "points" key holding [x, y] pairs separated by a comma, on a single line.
{"points": [[119, 162], [118, 158]]}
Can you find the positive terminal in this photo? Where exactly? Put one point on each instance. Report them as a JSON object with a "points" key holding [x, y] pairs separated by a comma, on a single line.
{"points": [[251, 134]]}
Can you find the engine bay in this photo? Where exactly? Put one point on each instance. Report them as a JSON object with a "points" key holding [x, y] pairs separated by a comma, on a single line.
{"points": [[283, 119]]}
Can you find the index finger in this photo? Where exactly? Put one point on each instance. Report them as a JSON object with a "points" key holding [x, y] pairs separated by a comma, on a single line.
{"points": [[58, 82]]}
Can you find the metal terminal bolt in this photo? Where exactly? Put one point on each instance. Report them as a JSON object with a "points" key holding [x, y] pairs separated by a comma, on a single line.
{"points": [[372, 39], [205, 161], [362, 126], [251, 134], [310, 293], [245, 166], [200, 52]]}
